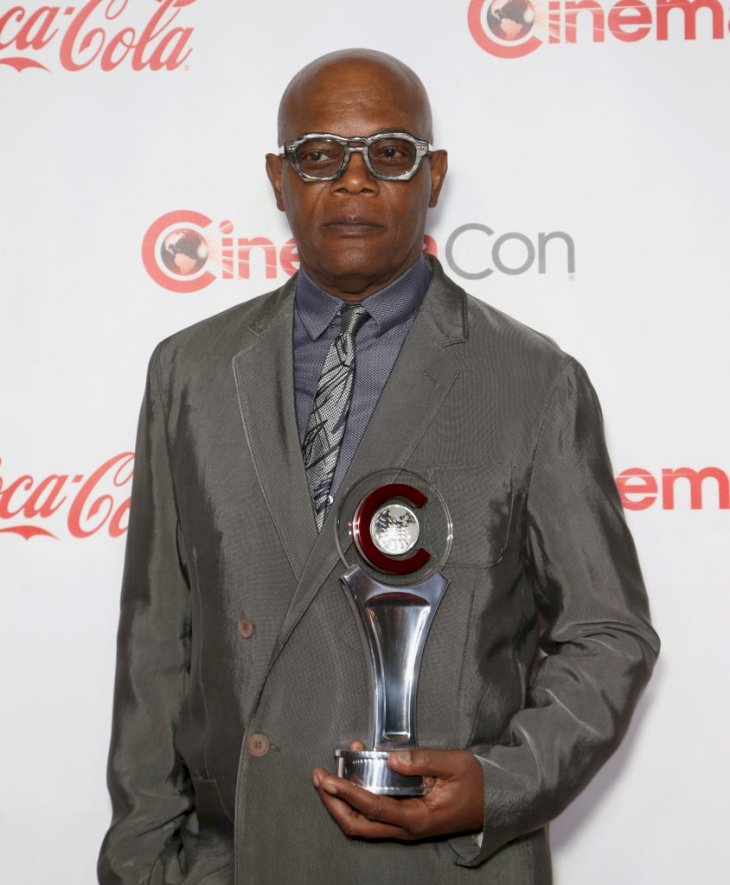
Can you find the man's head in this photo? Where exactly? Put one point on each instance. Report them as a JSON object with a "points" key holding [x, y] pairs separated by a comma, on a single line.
{"points": [[358, 232]]}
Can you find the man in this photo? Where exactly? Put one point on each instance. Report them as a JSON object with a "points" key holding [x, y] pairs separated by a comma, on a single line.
{"points": [[240, 665]]}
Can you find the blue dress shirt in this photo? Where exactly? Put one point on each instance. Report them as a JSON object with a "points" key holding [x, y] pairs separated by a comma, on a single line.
{"points": [[378, 344]]}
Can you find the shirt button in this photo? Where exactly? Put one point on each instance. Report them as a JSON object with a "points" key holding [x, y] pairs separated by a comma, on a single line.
{"points": [[258, 745], [245, 628]]}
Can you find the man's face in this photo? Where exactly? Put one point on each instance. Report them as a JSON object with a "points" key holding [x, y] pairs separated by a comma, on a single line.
{"points": [[358, 233]]}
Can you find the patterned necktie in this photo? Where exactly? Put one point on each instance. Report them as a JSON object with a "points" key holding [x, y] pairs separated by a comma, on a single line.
{"points": [[326, 425]]}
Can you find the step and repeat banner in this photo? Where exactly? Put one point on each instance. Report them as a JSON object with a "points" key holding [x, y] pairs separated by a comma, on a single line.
{"points": [[587, 195]]}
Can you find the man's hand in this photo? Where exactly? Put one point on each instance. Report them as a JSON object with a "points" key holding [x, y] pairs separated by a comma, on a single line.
{"points": [[454, 801]]}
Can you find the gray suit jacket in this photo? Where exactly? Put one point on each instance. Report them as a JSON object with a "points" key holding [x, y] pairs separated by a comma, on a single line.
{"points": [[240, 664]]}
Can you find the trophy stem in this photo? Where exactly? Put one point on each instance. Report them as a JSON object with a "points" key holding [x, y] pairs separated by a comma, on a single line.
{"points": [[395, 621]]}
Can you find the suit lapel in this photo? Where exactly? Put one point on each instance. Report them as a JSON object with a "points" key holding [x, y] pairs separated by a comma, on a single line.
{"points": [[421, 378], [265, 385]]}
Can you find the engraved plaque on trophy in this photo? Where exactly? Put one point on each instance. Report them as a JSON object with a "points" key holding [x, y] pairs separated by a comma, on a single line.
{"points": [[394, 533]]}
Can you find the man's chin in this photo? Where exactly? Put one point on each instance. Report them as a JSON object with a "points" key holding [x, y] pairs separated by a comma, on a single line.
{"points": [[353, 279], [357, 272]]}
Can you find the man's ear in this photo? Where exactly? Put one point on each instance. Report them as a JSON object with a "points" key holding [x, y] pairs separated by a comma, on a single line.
{"points": [[439, 164], [273, 170]]}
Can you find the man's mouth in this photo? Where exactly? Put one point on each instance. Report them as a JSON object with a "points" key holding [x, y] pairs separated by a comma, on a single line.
{"points": [[352, 225]]}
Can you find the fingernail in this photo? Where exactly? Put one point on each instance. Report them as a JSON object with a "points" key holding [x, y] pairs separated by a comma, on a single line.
{"points": [[404, 757], [316, 779], [330, 788]]}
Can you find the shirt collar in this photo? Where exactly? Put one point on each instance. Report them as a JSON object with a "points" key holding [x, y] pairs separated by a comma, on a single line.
{"points": [[389, 307]]}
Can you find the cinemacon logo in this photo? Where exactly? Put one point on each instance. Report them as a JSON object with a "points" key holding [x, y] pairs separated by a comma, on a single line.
{"points": [[96, 502], [99, 33], [515, 28], [185, 251]]}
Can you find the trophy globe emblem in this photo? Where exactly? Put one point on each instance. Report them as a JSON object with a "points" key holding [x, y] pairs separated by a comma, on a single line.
{"points": [[395, 529]]}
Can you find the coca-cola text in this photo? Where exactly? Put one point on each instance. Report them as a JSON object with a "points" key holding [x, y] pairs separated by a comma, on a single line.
{"points": [[84, 36], [87, 504]]}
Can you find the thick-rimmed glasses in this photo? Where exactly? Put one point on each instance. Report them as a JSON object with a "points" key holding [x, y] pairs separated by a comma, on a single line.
{"points": [[320, 156]]}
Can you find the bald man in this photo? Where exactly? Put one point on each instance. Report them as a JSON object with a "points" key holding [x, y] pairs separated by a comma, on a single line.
{"points": [[240, 665]]}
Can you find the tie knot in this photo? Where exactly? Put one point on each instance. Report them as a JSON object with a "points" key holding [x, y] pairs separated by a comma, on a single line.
{"points": [[352, 317]]}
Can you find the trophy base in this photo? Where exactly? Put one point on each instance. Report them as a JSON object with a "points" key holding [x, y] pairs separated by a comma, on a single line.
{"points": [[369, 769]]}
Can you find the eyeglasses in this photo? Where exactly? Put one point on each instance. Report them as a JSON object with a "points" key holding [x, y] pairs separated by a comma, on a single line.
{"points": [[391, 156]]}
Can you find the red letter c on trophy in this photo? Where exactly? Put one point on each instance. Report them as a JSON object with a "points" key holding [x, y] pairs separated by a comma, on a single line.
{"points": [[363, 535]]}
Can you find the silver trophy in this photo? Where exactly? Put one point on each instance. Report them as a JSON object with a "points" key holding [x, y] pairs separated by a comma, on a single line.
{"points": [[393, 532]]}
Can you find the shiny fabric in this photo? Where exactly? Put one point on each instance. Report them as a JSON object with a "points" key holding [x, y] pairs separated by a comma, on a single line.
{"points": [[535, 660]]}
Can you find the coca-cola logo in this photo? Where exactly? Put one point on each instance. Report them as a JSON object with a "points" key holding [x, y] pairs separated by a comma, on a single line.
{"points": [[99, 33], [79, 504], [515, 28]]}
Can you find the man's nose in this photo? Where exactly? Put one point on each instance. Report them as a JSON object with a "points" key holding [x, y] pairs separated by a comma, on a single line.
{"points": [[356, 178]]}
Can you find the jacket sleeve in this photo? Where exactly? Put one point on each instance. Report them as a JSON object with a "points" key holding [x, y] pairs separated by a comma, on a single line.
{"points": [[149, 785], [598, 644]]}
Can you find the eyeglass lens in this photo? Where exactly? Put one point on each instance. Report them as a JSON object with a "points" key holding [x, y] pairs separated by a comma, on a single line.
{"points": [[320, 157]]}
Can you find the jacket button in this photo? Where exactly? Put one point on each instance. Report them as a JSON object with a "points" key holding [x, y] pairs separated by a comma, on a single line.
{"points": [[258, 745], [245, 628]]}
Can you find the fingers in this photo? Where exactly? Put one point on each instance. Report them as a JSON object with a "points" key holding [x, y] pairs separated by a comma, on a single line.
{"points": [[356, 826], [362, 801], [453, 801], [444, 764], [360, 813]]}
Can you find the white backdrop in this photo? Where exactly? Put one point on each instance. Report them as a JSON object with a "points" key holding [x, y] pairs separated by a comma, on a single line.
{"points": [[609, 131]]}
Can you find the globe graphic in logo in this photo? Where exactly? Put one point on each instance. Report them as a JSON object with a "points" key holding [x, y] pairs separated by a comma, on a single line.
{"points": [[510, 19], [184, 251]]}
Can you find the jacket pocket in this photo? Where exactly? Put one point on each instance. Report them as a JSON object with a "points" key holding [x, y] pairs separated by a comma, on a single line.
{"points": [[480, 501]]}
